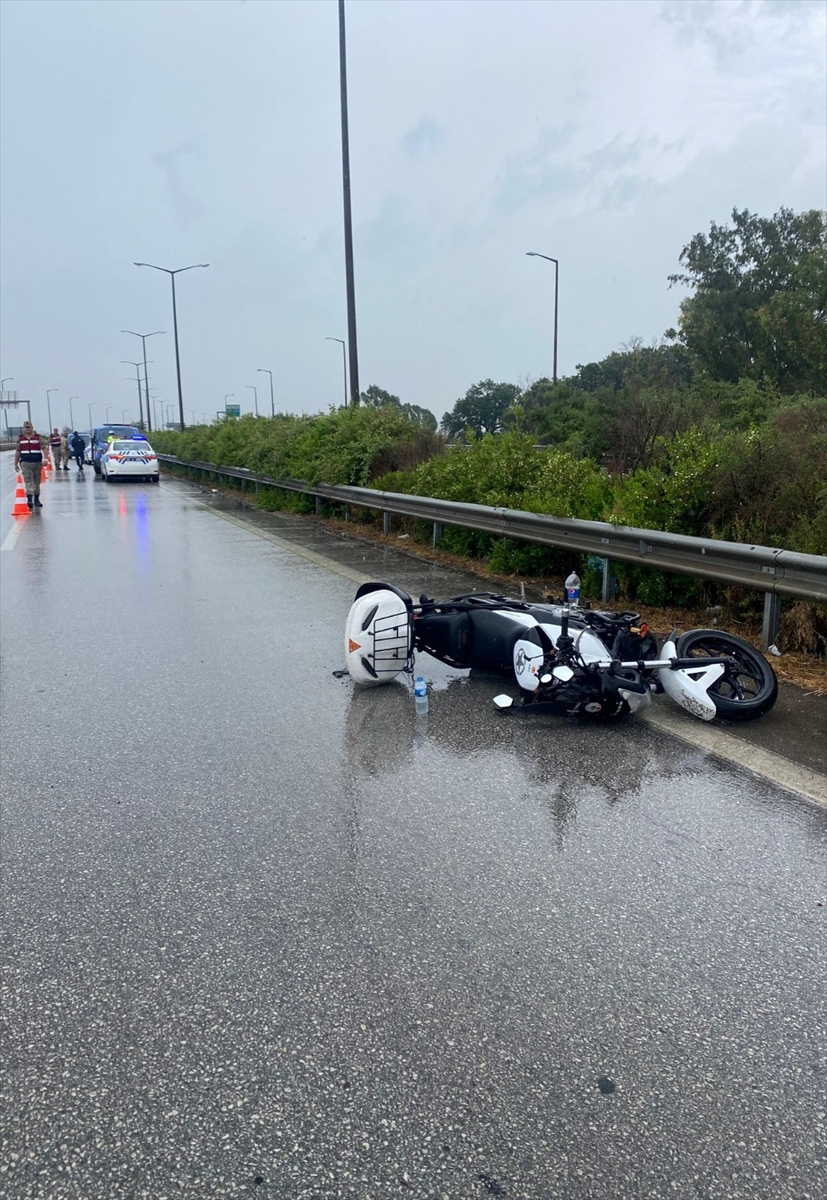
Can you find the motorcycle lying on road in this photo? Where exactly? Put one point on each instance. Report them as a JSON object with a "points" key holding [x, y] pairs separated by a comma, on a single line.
{"points": [[581, 662]]}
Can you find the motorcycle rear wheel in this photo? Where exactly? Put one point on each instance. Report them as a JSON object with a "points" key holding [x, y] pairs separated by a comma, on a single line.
{"points": [[746, 690]]}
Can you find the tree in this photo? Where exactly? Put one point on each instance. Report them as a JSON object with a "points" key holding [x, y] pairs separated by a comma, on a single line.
{"points": [[759, 302], [482, 409], [376, 397], [420, 416]]}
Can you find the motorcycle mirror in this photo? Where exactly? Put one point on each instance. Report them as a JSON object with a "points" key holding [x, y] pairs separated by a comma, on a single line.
{"points": [[564, 674], [503, 701]]}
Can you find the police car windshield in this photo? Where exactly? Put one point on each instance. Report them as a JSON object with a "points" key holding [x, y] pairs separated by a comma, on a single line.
{"points": [[122, 447], [117, 431]]}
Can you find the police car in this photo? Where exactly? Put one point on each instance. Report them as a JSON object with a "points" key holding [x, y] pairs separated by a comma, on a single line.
{"points": [[131, 458], [103, 435]]}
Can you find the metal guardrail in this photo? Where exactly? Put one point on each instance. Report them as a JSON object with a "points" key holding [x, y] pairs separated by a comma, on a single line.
{"points": [[775, 572]]}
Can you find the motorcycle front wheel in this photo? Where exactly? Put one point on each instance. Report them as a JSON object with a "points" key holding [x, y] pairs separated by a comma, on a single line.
{"points": [[748, 687]]}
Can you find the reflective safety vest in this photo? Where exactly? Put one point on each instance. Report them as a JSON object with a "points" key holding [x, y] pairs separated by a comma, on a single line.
{"points": [[30, 448], [55, 440]]}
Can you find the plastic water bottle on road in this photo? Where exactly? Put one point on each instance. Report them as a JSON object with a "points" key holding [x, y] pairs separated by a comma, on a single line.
{"points": [[420, 696]]}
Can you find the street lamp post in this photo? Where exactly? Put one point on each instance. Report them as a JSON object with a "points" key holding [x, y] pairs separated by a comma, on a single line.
{"points": [[143, 337], [128, 362], [350, 286], [168, 407], [264, 371], [534, 254], [106, 413], [71, 417], [344, 360], [49, 406], [91, 406], [255, 394], [172, 275]]}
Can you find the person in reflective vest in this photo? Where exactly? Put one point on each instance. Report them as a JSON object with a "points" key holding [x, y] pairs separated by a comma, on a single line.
{"points": [[55, 448], [28, 460]]}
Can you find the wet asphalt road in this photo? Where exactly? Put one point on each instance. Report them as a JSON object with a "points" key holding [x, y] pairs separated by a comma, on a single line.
{"points": [[267, 936]]}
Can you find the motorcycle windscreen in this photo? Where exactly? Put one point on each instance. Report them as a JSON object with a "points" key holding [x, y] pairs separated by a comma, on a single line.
{"points": [[378, 638], [690, 688]]}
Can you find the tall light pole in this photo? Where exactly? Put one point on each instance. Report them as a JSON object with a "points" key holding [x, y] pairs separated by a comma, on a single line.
{"points": [[129, 363], [351, 290], [264, 371], [143, 337], [255, 394], [91, 406], [172, 275], [534, 254], [49, 406], [71, 417], [106, 413], [168, 407], [344, 361]]}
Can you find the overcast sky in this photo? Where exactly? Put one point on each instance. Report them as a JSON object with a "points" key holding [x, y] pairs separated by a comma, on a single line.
{"points": [[181, 131]]}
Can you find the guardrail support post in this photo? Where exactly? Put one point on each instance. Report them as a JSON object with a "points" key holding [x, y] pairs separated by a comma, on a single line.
{"points": [[772, 618], [347, 512], [609, 581], [437, 532], [318, 506], [386, 522]]}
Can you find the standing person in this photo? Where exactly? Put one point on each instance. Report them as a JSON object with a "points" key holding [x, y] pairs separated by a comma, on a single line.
{"points": [[28, 459], [78, 448], [64, 451], [54, 447]]}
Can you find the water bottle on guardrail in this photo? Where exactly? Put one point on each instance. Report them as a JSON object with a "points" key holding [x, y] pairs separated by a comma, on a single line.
{"points": [[573, 590], [420, 696]]}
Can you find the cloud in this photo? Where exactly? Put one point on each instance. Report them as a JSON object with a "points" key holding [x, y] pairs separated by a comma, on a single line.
{"points": [[422, 139], [186, 207]]}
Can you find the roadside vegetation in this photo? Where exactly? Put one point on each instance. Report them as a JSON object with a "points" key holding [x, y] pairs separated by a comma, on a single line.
{"points": [[718, 431]]}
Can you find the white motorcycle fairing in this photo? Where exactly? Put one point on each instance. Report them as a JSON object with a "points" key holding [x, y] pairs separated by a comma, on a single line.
{"points": [[378, 637], [528, 662], [689, 686]]}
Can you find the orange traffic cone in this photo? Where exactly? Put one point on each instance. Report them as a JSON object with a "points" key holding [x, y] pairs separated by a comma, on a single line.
{"points": [[47, 464], [21, 508]]}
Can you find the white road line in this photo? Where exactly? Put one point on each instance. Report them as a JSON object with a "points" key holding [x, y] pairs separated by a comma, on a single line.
{"points": [[764, 763], [12, 536]]}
